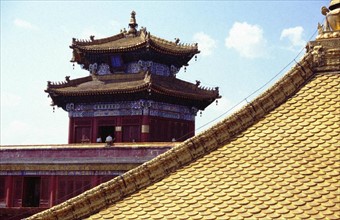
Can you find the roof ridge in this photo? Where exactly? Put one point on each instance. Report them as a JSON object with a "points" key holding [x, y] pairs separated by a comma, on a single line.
{"points": [[196, 94], [176, 43], [121, 76], [190, 150], [197, 85], [179, 93], [92, 41], [68, 82]]}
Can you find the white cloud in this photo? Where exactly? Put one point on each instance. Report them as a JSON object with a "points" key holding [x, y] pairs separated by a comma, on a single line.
{"points": [[247, 40], [24, 24], [294, 35], [10, 100], [206, 44]]}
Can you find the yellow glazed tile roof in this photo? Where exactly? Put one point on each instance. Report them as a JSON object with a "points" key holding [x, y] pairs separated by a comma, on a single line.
{"points": [[276, 158], [286, 166]]}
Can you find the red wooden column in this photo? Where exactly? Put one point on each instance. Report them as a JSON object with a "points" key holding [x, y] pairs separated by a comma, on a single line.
{"points": [[53, 190], [94, 130], [71, 131], [145, 129], [119, 130], [95, 181], [192, 128], [9, 190]]}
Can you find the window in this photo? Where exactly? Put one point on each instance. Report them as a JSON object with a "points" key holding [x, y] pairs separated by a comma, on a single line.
{"points": [[131, 133], [167, 129], [31, 194], [83, 134], [45, 192], [70, 186], [17, 190], [116, 61]]}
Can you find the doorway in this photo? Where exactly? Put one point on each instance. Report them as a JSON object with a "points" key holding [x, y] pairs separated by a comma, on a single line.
{"points": [[31, 192], [104, 131]]}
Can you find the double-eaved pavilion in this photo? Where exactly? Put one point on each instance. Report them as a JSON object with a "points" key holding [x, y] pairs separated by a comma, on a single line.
{"points": [[276, 158], [132, 92]]}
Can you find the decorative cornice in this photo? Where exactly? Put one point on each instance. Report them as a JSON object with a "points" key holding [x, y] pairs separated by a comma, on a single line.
{"points": [[325, 53], [129, 108]]}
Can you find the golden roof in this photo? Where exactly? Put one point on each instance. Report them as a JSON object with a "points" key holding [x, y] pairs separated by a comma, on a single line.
{"points": [[143, 39], [277, 158], [286, 166]]}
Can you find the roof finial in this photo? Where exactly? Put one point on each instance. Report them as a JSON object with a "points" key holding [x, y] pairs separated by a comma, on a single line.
{"points": [[332, 14], [133, 25], [334, 4]]}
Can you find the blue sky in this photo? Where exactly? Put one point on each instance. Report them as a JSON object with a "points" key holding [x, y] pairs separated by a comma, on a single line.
{"points": [[243, 45]]}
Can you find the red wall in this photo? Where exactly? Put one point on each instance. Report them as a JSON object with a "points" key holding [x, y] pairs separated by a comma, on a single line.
{"points": [[54, 186], [87, 129], [163, 129], [52, 190]]}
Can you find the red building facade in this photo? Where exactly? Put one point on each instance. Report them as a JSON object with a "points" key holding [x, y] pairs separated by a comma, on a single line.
{"points": [[132, 92], [129, 129], [34, 178]]}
